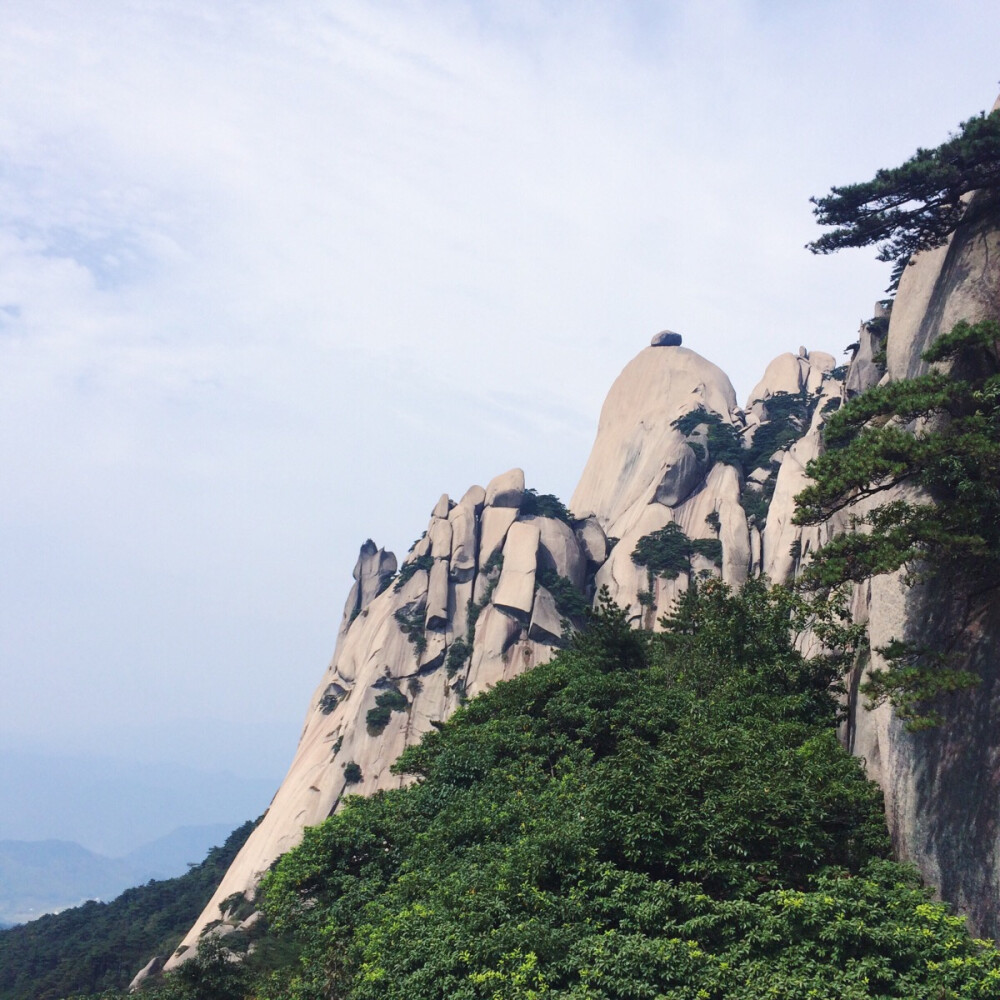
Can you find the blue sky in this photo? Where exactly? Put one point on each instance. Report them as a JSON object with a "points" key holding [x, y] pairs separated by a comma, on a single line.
{"points": [[275, 275]]}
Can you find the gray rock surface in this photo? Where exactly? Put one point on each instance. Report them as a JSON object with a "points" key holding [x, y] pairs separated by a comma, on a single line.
{"points": [[546, 622], [505, 490], [666, 338], [515, 593]]}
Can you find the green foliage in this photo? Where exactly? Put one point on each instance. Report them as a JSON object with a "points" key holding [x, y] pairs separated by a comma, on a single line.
{"points": [[458, 655], [757, 503], [411, 624], [788, 417], [939, 433], [953, 454], [665, 553], [723, 440], [352, 772], [101, 946], [917, 205], [644, 816], [544, 505], [668, 552], [570, 603], [713, 521], [409, 569], [385, 704]]}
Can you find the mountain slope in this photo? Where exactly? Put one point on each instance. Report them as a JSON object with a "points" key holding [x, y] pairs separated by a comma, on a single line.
{"points": [[100, 946]]}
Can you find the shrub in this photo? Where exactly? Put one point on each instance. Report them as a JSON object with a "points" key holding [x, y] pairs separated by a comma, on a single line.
{"points": [[352, 772], [544, 505], [424, 562], [385, 704]]}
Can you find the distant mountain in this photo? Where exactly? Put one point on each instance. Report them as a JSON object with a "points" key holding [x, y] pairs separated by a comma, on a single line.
{"points": [[100, 946], [38, 877], [113, 806]]}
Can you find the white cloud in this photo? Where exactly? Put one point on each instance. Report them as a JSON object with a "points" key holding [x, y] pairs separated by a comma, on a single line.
{"points": [[273, 275]]}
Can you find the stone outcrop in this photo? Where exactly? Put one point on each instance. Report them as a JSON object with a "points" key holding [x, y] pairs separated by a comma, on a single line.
{"points": [[410, 634], [666, 338], [468, 607]]}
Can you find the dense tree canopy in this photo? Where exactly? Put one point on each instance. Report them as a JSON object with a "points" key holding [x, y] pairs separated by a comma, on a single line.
{"points": [[641, 817], [915, 206]]}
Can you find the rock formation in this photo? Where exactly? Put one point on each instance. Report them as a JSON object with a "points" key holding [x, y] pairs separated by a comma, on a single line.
{"points": [[477, 599]]}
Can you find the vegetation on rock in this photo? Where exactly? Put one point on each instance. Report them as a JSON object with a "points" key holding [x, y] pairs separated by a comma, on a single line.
{"points": [[668, 552], [644, 816], [386, 703], [411, 568], [534, 504], [917, 205], [938, 435]]}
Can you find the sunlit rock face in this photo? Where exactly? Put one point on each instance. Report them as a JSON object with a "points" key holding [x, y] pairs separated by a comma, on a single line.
{"points": [[464, 612], [468, 608]]}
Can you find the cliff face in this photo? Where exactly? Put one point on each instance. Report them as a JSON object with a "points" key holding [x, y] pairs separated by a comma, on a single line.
{"points": [[942, 787], [482, 595]]}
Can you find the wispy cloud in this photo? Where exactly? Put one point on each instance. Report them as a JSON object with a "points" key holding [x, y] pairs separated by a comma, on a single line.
{"points": [[273, 275]]}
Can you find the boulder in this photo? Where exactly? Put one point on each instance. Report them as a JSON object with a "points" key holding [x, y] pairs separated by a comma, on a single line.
{"points": [[496, 633], [666, 338], [495, 524], [546, 622], [560, 551], [593, 541], [463, 541], [515, 590], [636, 443], [506, 490], [439, 533], [442, 507], [786, 373], [437, 596]]}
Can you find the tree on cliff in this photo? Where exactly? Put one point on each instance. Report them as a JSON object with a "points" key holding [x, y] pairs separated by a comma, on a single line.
{"points": [[917, 205], [939, 433]]}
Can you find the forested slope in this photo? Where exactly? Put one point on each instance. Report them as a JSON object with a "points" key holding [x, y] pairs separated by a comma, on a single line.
{"points": [[101, 945], [645, 816]]}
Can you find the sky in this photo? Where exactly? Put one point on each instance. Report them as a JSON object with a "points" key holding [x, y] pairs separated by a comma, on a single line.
{"points": [[275, 275]]}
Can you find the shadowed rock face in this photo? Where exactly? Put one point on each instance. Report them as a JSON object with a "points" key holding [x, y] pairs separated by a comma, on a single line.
{"points": [[666, 338]]}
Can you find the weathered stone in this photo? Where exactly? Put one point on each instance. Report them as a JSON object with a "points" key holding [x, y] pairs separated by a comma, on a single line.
{"points": [[505, 490], [495, 524], [474, 497], [371, 571], [823, 361], [786, 373], [437, 595], [679, 478], [439, 533], [666, 338], [560, 551], [496, 633], [546, 622], [593, 541], [463, 541], [624, 578], [442, 507], [636, 442], [516, 590]]}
